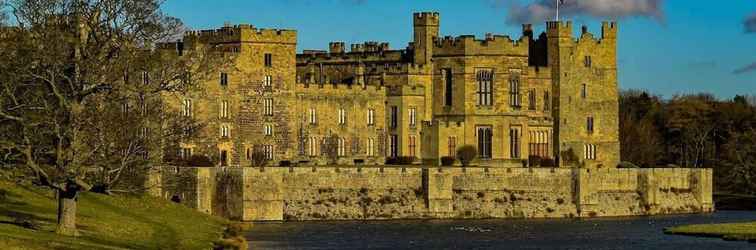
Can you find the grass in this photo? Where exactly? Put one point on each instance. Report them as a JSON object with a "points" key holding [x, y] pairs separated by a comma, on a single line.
{"points": [[104, 222], [727, 231]]}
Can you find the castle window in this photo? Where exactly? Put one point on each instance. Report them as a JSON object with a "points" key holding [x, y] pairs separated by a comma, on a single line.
{"points": [[224, 131], [514, 142], [268, 81], [412, 117], [448, 87], [268, 60], [185, 153], [313, 117], [394, 116], [342, 116], [224, 158], [312, 146], [187, 109], [539, 144], [142, 105], [341, 152], [371, 117], [532, 99], [584, 91], [125, 107], [514, 93], [223, 79], [589, 151], [370, 147], [393, 146], [249, 153], [485, 136], [452, 146], [485, 87], [268, 106], [588, 62], [546, 101], [589, 125], [224, 109], [268, 150], [145, 77], [412, 145], [268, 129]]}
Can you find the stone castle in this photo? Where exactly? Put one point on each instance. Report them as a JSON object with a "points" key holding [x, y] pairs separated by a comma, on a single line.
{"points": [[542, 96]]}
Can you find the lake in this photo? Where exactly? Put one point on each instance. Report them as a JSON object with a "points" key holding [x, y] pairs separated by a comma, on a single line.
{"points": [[593, 233]]}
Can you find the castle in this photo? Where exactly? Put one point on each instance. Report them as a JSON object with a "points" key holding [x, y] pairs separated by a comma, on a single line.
{"points": [[513, 100]]}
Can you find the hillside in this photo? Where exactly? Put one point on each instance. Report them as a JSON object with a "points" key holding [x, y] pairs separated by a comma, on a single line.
{"points": [[105, 222]]}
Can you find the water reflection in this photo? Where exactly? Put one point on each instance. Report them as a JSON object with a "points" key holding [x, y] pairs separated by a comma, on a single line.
{"points": [[597, 233]]}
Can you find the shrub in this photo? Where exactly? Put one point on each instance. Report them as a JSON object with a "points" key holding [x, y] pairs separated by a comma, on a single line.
{"points": [[627, 164], [534, 161], [391, 161], [466, 154], [405, 160], [570, 158], [284, 163], [548, 162], [257, 158], [200, 161], [447, 161]]}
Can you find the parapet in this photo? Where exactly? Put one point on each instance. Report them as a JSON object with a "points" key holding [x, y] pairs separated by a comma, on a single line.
{"points": [[608, 30], [242, 33], [426, 19], [336, 48], [405, 90], [492, 44], [370, 46], [559, 29]]}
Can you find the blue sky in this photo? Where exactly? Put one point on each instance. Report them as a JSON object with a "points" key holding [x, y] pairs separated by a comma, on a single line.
{"points": [[677, 47]]}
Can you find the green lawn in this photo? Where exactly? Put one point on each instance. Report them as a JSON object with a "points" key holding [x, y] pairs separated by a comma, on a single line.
{"points": [[728, 231], [105, 222]]}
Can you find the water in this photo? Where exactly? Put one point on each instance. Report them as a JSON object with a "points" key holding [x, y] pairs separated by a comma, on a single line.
{"points": [[596, 233]]}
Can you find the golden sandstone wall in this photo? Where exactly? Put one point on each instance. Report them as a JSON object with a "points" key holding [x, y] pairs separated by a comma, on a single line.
{"points": [[329, 193]]}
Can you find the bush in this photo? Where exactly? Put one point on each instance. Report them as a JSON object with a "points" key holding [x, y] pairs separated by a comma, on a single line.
{"points": [[200, 161], [447, 161], [391, 161], [548, 162], [284, 163], [627, 164], [570, 158], [258, 158], [466, 154], [406, 160], [534, 161]]}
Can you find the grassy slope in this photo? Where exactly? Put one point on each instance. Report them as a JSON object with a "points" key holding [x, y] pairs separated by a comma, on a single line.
{"points": [[730, 231], [105, 222]]}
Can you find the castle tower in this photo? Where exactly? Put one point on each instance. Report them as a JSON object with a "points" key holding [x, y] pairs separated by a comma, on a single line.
{"points": [[585, 105], [425, 30]]}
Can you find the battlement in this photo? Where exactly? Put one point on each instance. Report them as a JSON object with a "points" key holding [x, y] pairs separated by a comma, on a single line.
{"points": [[340, 89], [492, 44], [405, 90], [370, 46], [559, 29], [426, 19], [609, 30], [242, 33]]}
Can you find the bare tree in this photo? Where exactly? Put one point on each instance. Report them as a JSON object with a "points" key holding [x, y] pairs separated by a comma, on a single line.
{"points": [[741, 162], [63, 61]]}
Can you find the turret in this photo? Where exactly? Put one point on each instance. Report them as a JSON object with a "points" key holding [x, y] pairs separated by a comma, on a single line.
{"points": [[425, 30], [336, 47], [609, 30]]}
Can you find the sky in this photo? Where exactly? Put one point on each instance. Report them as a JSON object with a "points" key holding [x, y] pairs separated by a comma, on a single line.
{"points": [[668, 47]]}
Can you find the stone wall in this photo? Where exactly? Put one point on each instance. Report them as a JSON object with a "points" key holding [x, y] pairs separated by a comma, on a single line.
{"points": [[331, 193]]}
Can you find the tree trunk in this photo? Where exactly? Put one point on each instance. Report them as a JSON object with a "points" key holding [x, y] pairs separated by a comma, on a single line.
{"points": [[67, 213]]}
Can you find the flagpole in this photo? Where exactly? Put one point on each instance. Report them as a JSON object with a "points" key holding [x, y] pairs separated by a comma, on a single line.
{"points": [[557, 10]]}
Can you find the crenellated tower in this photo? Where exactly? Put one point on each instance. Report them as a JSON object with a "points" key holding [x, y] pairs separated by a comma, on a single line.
{"points": [[425, 30], [584, 81]]}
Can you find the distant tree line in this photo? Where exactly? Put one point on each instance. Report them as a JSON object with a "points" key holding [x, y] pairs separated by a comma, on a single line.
{"points": [[692, 131]]}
